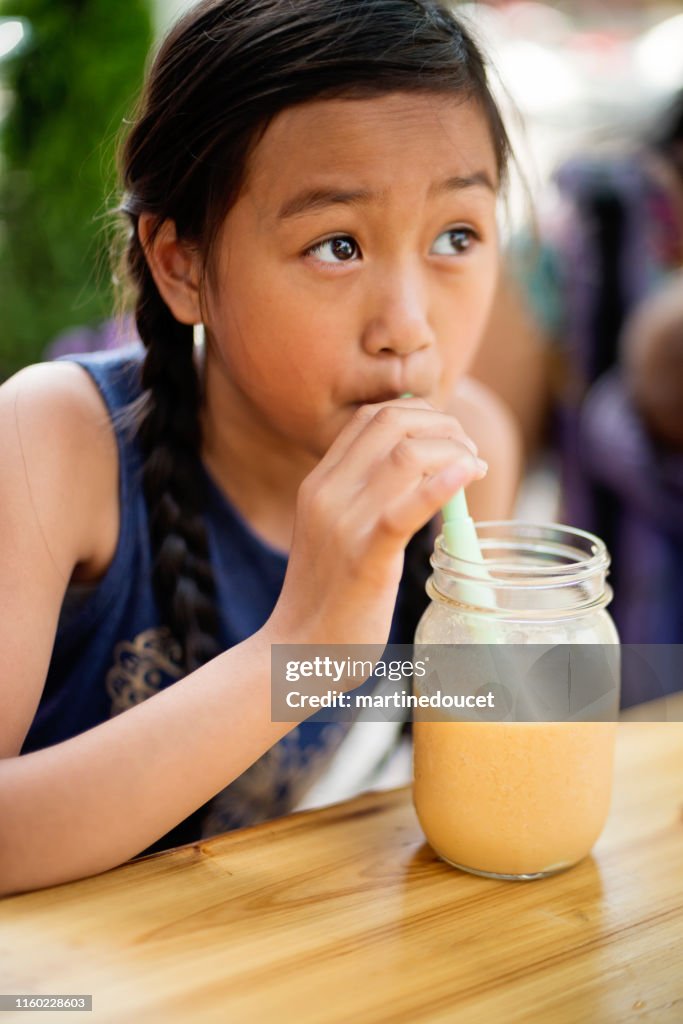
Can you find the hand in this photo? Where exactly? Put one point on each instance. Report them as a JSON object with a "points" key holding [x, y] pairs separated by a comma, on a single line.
{"points": [[388, 473]]}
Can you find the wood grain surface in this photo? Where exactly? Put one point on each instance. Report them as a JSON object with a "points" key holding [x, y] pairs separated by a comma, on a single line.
{"points": [[344, 914]]}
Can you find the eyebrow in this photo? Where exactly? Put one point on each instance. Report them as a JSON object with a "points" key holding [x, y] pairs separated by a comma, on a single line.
{"points": [[313, 199]]}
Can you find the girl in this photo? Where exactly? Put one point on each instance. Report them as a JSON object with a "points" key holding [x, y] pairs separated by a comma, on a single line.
{"points": [[316, 184]]}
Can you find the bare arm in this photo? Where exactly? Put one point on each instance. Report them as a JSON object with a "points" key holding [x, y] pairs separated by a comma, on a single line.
{"points": [[96, 800], [92, 802]]}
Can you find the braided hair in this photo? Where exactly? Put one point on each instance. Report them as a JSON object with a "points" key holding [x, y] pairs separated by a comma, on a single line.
{"points": [[222, 74], [174, 486]]}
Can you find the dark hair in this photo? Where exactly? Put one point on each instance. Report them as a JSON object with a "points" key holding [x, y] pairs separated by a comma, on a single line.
{"points": [[221, 75]]}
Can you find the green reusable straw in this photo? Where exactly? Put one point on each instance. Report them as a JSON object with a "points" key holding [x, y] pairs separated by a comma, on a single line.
{"points": [[461, 541], [459, 531]]}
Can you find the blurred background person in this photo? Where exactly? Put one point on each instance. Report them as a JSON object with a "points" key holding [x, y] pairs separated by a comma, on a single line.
{"points": [[600, 431], [631, 437], [616, 239], [653, 363]]}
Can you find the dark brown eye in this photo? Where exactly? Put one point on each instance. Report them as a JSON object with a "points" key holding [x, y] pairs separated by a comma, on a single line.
{"points": [[342, 249], [455, 241], [461, 239]]}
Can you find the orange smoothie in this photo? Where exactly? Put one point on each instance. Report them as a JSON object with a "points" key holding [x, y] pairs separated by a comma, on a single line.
{"points": [[512, 799]]}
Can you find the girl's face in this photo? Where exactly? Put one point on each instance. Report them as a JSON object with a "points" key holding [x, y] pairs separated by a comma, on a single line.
{"points": [[358, 263]]}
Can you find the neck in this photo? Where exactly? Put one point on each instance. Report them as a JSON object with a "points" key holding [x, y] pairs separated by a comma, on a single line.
{"points": [[257, 469]]}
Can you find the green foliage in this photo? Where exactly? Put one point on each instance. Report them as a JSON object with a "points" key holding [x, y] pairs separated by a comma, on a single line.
{"points": [[72, 85]]}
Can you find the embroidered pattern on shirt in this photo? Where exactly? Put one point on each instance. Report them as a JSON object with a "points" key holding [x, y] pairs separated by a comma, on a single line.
{"points": [[143, 667], [275, 783], [271, 786]]}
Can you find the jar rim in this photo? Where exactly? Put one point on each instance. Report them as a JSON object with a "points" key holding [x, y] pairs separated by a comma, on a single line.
{"points": [[548, 538]]}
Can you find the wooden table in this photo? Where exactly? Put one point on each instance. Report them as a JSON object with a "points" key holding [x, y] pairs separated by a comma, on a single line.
{"points": [[344, 914]]}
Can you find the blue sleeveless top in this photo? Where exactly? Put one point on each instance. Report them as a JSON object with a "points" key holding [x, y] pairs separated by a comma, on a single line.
{"points": [[111, 650]]}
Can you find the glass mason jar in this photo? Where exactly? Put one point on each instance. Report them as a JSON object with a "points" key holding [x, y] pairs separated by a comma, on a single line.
{"points": [[506, 798]]}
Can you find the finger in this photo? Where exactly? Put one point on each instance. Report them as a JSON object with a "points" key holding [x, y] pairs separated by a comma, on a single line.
{"points": [[385, 425], [412, 459], [360, 420], [393, 500], [403, 517]]}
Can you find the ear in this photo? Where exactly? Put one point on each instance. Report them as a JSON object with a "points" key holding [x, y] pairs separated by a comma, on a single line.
{"points": [[175, 267]]}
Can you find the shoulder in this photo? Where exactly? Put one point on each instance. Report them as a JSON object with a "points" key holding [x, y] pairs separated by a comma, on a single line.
{"points": [[61, 387], [62, 449]]}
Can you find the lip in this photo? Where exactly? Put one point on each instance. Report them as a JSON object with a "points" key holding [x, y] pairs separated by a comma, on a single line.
{"points": [[382, 396]]}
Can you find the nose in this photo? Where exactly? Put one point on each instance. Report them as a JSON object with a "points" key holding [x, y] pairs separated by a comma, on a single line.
{"points": [[398, 321]]}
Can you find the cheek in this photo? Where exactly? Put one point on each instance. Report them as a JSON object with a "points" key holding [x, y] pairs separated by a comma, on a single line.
{"points": [[464, 322], [480, 310], [279, 317], [274, 343], [246, 321], [308, 331]]}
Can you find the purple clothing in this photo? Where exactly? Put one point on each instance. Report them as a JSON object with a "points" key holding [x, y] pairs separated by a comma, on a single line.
{"points": [[637, 508]]}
